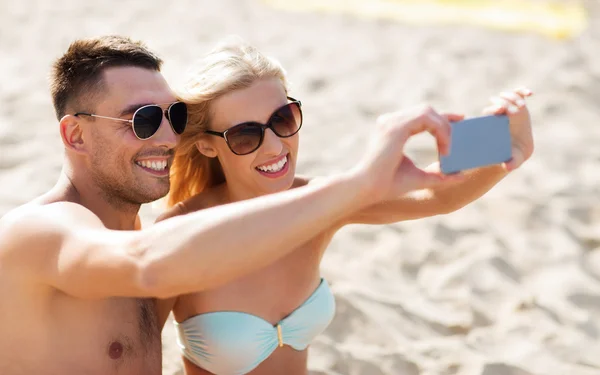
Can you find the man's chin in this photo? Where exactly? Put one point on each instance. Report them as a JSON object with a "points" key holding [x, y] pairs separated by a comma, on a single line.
{"points": [[155, 197], [151, 195]]}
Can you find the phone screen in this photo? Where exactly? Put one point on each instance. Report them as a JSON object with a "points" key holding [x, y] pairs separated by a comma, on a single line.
{"points": [[477, 142]]}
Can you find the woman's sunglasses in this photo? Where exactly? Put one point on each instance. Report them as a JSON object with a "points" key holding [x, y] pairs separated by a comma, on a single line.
{"points": [[146, 120], [247, 137]]}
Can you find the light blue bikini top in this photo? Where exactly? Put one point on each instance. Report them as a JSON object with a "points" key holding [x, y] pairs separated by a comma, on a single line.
{"points": [[234, 343]]}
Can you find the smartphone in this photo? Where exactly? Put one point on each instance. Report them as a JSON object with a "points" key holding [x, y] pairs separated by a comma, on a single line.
{"points": [[477, 142]]}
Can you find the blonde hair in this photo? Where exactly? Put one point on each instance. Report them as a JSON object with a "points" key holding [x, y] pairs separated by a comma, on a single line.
{"points": [[231, 66]]}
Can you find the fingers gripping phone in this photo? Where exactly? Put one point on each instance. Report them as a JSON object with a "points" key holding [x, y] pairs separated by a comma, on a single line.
{"points": [[477, 142]]}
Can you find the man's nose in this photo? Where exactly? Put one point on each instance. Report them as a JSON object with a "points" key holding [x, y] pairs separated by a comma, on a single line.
{"points": [[165, 136]]}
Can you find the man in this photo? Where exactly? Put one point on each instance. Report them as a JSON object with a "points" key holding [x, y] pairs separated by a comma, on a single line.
{"points": [[76, 270]]}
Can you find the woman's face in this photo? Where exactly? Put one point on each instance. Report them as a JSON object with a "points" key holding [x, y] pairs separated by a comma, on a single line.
{"points": [[270, 168]]}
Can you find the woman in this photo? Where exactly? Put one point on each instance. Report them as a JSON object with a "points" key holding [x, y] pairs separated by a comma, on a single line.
{"points": [[242, 142]]}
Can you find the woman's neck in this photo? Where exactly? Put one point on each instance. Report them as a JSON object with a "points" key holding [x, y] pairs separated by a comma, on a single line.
{"points": [[234, 195]]}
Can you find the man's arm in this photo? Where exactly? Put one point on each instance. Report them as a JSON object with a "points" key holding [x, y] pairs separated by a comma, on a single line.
{"points": [[65, 246]]}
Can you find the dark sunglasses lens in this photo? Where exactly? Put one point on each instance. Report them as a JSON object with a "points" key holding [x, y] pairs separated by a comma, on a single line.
{"points": [[245, 138], [287, 120], [178, 116], [146, 121]]}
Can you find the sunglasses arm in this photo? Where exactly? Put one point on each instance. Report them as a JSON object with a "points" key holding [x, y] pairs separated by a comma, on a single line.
{"points": [[212, 132], [104, 117]]}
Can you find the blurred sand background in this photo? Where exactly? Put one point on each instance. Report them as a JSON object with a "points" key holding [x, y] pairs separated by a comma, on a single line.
{"points": [[509, 285]]}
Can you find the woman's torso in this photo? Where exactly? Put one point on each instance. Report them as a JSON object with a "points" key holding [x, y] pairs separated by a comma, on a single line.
{"points": [[285, 287]]}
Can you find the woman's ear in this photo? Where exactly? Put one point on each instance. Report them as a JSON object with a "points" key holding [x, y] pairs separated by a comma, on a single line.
{"points": [[71, 134], [206, 148]]}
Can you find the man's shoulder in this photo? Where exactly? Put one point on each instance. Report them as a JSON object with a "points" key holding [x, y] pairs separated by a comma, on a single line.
{"points": [[34, 222], [35, 212]]}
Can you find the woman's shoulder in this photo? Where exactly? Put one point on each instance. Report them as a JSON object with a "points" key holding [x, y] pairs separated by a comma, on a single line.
{"points": [[176, 210], [208, 198], [300, 181]]}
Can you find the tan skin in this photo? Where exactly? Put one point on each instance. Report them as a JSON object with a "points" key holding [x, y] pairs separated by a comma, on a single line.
{"points": [[278, 289], [50, 331]]}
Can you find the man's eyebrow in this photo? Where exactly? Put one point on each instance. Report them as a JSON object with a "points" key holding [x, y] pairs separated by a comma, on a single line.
{"points": [[131, 109]]}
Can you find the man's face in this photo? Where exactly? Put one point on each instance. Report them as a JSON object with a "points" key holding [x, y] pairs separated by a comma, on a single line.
{"points": [[123, 166]]}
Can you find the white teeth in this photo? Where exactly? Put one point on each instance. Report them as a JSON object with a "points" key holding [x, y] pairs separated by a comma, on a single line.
{"points": [[273, 168], [154, 165]]}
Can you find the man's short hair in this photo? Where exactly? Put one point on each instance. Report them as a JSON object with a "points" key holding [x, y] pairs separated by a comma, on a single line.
{"points": [[77, 76]]}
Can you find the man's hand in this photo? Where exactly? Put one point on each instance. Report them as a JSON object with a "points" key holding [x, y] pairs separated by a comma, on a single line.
{"points": [[389, 171]]}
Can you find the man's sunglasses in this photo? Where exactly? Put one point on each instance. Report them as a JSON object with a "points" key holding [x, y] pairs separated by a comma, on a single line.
{"points": [[146, 120], [245, 138]]}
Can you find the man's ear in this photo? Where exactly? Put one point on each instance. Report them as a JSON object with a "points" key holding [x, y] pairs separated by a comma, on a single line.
{"points": [[206, 148], [72, 134]]}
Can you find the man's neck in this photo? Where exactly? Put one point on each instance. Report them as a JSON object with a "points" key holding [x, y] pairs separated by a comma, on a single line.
{"points": [[114, 213]]}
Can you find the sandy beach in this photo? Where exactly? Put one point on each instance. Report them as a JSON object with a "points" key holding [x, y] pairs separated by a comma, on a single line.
{"points": [[509, 285]]}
